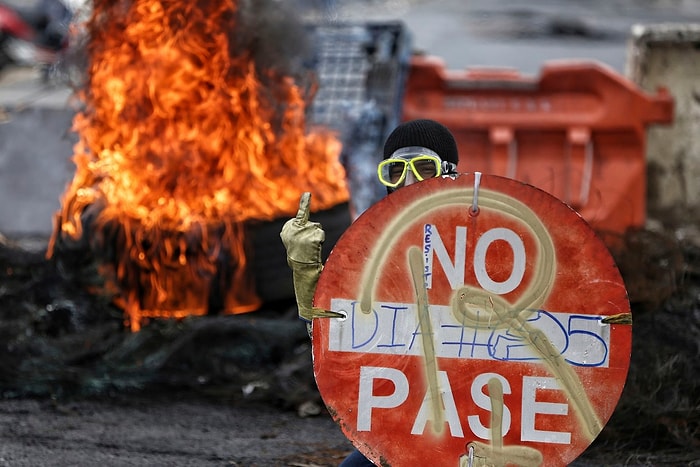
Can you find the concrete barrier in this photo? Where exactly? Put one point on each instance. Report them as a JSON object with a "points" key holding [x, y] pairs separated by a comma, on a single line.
{"points": [[667, 55]]}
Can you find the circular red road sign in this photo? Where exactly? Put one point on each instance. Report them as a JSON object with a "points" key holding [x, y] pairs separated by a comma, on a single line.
{"points": [[479, 336]]}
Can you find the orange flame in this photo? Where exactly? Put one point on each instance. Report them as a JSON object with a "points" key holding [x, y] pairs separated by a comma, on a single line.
{"points": [[183, 140]]}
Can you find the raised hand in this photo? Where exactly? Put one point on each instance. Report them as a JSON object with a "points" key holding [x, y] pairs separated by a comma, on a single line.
{"points": [[303, 240]]}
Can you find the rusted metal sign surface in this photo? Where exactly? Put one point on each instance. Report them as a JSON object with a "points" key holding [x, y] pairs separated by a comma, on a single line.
{"points": [[473, 336]]}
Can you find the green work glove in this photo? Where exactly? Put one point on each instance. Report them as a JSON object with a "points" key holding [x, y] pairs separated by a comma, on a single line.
{"points": [[303, 241]]}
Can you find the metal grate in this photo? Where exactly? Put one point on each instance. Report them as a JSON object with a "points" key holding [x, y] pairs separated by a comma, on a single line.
{"points": [[356, 64], [361, 71]]}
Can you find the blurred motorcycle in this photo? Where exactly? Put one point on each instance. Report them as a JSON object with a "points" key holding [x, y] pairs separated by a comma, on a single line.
{"points": [[33, 36]]}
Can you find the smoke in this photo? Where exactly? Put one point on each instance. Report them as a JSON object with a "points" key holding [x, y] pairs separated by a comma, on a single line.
{"points": [[272, 31]]}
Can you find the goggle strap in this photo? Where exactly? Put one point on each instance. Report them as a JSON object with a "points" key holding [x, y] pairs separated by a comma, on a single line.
{"points": [[448, 167]]}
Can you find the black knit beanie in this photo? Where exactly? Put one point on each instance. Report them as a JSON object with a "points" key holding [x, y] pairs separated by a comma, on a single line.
{"points": [[426, 133]]}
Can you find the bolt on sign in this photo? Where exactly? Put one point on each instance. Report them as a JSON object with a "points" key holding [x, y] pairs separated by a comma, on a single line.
{"points": [[485, 324]]}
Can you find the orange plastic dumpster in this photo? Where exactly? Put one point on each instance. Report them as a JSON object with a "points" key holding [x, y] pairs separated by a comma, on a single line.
{"points": [[578, 131]]}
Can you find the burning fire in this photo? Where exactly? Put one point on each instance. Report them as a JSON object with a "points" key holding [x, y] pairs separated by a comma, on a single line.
{"points": [[182, 139]]}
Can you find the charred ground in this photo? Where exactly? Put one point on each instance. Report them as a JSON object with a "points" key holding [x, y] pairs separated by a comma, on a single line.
{"points": [[67, 353]]}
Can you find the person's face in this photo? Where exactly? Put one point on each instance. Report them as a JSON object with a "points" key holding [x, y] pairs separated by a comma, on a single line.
{"points": [[410, 165]]}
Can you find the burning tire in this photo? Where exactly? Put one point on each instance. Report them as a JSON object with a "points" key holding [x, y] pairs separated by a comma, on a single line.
{"points": [[273, 277]]}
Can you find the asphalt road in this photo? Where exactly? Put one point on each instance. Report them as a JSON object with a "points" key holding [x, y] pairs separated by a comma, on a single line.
{"points": [[163, 430]]}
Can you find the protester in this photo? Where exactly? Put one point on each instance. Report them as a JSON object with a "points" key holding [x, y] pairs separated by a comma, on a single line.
{"points": [[415, 151]]}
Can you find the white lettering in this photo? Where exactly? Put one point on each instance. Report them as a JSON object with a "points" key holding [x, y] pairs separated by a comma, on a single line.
{"points": [[398, 382], [519, 261], [531, 407], [448, 402], [453, 270], [367, 400], [483, 401]]}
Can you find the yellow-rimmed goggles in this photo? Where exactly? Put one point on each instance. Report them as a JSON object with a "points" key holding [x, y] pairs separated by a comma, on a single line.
{"points": [[426, 164]]}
